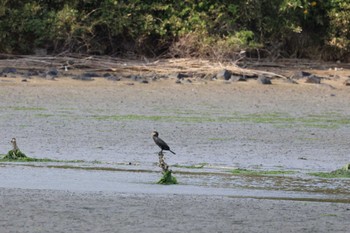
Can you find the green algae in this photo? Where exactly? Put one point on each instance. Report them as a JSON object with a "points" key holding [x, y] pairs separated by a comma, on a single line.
{"points": [[195, 166], [240, 171], [167, 178], [343, 172], [277, 119], [14, 155]]}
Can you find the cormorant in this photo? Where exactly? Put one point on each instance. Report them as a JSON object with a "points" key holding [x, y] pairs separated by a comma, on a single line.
{"points": [[161, 143]]}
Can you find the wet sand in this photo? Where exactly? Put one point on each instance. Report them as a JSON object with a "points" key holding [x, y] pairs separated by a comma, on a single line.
{"points": [[64, 211], [283, 126]]}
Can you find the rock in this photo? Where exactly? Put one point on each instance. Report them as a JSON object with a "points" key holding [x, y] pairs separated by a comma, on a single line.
{"points": [[52, 72], [90, 75], [347, 82], [113, 78], [313, 79], [305, 74], [264, 80], [178, 81], [106, 75], [238, 78], [224, 75], [135, 77], [288, 80], [144, 81], [32, 73], [300, 75], [84, 77], [9, 70], [179, 75]]}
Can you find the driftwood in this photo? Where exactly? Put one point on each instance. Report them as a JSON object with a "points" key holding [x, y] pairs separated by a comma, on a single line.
{"points": [[167, 176], [143, 65], [162, 163]]}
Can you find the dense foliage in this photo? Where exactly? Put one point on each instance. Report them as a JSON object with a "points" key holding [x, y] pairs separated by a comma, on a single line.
{"points": [[208, 28]]}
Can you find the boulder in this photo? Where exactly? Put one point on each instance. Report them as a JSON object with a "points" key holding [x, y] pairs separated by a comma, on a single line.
{"points": [[113, 78], [86, 76], [135, 77], [238, 78], [224, 75], [52, 72], [313, 79], [9, 70], [179, 75], [347, 82], [264, 80]]}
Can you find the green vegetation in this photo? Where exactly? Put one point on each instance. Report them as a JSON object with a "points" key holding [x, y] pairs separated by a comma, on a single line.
{"points": [[329, 215], [6, 158], [15, 155], [240, 171], [18, 156], [167, 178], [277, 119], [196, 166], [28, 109], [215, 29], [343, 172]]}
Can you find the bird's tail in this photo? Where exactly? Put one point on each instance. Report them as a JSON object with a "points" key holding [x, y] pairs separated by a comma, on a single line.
{"points": [[172, 152]]}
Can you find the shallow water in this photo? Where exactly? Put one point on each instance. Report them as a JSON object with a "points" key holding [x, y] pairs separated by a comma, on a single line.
{"points": [[138, 179], [219, 126]]}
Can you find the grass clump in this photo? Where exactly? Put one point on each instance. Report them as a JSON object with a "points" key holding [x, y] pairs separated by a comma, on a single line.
{"points": [[14, 155], [343, 172], [240, 171], [167, 178]]}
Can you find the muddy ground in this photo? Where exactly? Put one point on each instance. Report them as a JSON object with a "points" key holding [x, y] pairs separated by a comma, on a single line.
{"points": [[214, 124]]}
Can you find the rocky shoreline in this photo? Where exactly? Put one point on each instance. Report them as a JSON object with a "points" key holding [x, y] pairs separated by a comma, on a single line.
{"points": [[179, 70]]}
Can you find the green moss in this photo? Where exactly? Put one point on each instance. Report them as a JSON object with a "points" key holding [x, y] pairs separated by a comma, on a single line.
{"points": [[195, 166], [343, 172], [329, 215], [44, 115], [28, 109], [167, 178], [240, 171], [219, 139], [14, 155], [192, 119], [10, 158], [277, 119]]}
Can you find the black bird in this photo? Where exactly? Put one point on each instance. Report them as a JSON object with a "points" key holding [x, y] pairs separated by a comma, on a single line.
{"points": [[161, 143]]}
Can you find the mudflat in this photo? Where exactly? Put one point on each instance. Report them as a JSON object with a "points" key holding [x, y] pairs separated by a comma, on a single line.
{"points": [[63, 211], [214, 127]]}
